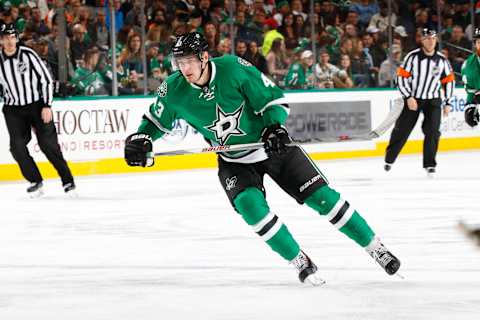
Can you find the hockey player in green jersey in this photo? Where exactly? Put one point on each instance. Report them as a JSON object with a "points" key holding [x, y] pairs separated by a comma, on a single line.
{"points": [[471, 79], [230, 102]]}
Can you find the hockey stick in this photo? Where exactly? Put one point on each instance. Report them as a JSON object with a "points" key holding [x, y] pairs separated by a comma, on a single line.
{"points": [[375, 133]]}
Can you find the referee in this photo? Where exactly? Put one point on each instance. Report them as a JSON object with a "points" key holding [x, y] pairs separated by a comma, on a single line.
{"points": [[28, 94], [423, 73]]}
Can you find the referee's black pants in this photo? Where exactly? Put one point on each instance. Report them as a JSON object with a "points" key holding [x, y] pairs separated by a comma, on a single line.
{"points": [[404, 125], [20, 120]]}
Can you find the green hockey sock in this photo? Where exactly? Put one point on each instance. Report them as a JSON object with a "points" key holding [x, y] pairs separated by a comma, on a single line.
{"points": [[253, 208], [339, 212]]}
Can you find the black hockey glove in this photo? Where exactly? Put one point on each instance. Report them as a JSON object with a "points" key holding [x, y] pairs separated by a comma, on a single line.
{"points": [[471, 115], [138, 150], [275, 139]]}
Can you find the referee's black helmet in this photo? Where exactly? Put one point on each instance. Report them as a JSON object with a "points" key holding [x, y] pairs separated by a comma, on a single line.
{"points": [[8, 29], [428, 32], [192, 43]]}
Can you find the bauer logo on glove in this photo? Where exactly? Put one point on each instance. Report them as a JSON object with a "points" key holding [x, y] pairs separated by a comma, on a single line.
{"points": [[138, 150]]}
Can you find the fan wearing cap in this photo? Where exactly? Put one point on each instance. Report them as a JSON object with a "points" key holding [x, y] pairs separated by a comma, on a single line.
{"points": [[230, 102], [300, 74], [421, 78], [471, 78], [28, 96]]}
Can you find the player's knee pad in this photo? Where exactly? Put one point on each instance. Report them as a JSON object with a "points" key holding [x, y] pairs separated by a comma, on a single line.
{"points": [[252, 205], [323, 200]]}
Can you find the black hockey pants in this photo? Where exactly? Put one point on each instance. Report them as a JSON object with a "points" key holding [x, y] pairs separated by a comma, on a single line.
{"points": [[432, 112], [20, 120]]}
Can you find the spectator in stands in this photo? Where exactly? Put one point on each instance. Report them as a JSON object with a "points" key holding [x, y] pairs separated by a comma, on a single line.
{"points": [[241, 48], [100, 33], [204, 7], [283, 8], [133, 16], [458, 50], [297, 9], [195, 21], [79, 45], [288, 31], [37, 23], [88, 80], [224, 47], [388, 68], [299, 26], [119, 16], [300, 74], [360, 66], [130, 63], [217, 12], [324, 71], [213, 38], [346, 66], [381, 19], [255, 57], [278, 62], [462, 15], [421, 19], [346, 47], [365, 9]]}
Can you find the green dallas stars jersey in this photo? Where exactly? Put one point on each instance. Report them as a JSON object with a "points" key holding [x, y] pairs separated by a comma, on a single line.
{"points": [[235, 107]]}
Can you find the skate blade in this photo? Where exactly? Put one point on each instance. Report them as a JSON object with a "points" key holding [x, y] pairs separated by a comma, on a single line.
{"points": [[400, 276], [36, 194], [314, 280], [72, 194]]}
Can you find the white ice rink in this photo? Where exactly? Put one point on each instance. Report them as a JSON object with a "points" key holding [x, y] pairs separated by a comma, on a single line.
{"points": [[168, 246]]}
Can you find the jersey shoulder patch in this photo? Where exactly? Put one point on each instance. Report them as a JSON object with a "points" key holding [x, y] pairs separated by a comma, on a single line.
{"points": [[244, 62], [162, 89]]}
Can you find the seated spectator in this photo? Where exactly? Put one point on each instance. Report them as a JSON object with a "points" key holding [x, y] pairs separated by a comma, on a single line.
{"points": [[37, 23], [300, 74], [360, 66], [283, 8], [79, 45], [297, 9], [365, 9], [88, 80], [388, 69], [289, 32], [241, 48], [346, 67], [380, 20], [278, 62], [458, 41], [131, 66], [100, 33], [328, 75], [224, 47], [213, 38], [254, 56]]}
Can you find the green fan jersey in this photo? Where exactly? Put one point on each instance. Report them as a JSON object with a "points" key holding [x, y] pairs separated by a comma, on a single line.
{"points": [[471, 76], [233, 108]]}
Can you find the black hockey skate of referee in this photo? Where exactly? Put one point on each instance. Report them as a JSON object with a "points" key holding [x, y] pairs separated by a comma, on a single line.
{"points": [[420, 78], [28, 95]]}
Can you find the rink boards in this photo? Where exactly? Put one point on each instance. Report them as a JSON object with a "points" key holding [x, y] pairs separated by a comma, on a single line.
{"points": [[91, 131]]}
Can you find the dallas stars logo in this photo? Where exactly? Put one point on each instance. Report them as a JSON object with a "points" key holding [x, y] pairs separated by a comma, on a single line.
{"points": [[227, 124]]}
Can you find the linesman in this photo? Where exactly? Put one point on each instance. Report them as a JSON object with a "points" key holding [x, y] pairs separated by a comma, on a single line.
{"points": [[28, 95], [423, 74]]}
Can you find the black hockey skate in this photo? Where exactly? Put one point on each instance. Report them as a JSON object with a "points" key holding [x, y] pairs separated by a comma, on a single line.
{"points": [[430, 172], [306, 269], [387, 166], [35, 190], [69, 189], [384, 258]]}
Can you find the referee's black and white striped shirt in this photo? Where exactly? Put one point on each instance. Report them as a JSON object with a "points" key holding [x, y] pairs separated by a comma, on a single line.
{"points": [[422, 76], [25, 78]]}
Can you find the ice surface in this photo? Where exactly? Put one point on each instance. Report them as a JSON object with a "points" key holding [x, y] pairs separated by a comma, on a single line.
{"points": [[169, 246]]}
